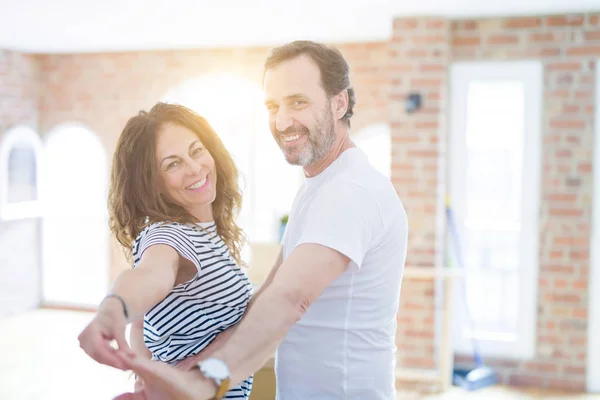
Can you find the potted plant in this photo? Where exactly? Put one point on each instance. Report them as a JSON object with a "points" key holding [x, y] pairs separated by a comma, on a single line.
{"points": [[282, 224]]}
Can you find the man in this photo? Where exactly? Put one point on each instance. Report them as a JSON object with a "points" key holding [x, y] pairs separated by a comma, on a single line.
{"points": [[329, 305]]}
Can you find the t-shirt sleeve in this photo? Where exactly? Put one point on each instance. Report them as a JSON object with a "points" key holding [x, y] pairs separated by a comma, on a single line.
{"points": [[170, 234], [343, 217]]}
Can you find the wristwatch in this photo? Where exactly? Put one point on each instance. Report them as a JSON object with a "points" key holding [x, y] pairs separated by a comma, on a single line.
{"points": [[217, 370]]}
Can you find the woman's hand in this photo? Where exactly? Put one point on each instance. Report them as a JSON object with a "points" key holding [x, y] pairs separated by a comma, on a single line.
{"points": [[108, 325]]}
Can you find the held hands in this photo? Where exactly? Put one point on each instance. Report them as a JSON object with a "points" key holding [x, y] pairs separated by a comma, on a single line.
{"points": [[156, 380], [142, 391], [108, 325], [161, 381]]}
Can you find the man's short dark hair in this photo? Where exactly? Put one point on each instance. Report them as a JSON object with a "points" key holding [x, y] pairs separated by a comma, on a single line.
{"points": [[335, 72]]}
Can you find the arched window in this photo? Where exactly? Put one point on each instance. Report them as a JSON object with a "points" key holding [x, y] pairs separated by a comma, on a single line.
{"points": [[75, 231], [20, 159], [375, 141]]}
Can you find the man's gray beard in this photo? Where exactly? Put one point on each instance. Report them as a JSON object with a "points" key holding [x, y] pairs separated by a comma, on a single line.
{"points": [[319, 145]]}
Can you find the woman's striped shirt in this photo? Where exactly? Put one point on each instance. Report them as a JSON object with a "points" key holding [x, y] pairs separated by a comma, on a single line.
{"points": [[196, 311]]}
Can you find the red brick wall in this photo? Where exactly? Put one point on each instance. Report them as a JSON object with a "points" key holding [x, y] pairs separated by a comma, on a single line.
{"points": [[19, 80], [19, 244], [419, 55], [568, 47]]}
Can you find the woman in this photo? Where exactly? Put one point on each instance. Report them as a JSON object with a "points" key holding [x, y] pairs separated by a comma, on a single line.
{"points": [[173, 197]]}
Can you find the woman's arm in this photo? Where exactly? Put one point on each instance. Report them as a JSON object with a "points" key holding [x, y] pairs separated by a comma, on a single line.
{"points": [[140, 289], [136, 338], [145, 286]]}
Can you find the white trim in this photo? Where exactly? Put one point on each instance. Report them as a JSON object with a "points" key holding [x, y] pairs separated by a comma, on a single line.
{"points": [[25, 209], [531, 73], [593, 353]]}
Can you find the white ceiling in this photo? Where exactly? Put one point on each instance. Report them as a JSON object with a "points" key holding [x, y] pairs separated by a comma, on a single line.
{"points": [[59, 26]]}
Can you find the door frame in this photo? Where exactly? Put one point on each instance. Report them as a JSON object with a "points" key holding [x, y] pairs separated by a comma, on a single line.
{"points": [[593, 358]]}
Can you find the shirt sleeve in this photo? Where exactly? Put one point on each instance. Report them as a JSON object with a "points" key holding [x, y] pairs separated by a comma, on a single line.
{"points": [[344, 217], [171, 235]]}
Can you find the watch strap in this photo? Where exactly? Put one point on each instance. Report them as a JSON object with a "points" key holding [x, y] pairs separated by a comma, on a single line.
{"points": [[222, 389]]}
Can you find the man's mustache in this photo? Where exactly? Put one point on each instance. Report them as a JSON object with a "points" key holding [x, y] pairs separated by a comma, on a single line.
{"points": [[292, 130]]}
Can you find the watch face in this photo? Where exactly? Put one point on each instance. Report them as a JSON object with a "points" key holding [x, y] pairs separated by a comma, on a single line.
{"points": [[215, 368]]}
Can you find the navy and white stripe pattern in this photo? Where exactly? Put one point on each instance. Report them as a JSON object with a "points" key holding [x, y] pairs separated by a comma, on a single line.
{"points": [[196, 311]]}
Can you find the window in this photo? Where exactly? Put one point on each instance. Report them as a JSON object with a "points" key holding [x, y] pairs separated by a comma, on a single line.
{"points": [[494, 185], [20, 151], [75, 232], [376, 142]]}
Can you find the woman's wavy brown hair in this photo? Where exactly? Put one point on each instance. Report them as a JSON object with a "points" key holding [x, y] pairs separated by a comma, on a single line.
{"points": [[133, 199]]}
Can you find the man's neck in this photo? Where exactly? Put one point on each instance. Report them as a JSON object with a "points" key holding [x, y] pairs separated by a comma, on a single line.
{"points": [[336, 150]]}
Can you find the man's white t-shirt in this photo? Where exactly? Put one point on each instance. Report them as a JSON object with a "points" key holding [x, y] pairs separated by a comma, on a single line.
{"points": [[344, 345]]}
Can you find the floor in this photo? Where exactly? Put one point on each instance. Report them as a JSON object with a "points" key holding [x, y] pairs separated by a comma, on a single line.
{"points": [[499, 393], [41, 360]]}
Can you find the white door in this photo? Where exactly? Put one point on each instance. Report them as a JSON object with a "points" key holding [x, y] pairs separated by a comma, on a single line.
{"points": [[75, 227], [593, 367], [496, 114]]}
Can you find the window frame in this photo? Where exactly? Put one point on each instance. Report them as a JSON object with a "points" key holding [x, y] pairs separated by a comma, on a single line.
{"points": [[593, 347]]}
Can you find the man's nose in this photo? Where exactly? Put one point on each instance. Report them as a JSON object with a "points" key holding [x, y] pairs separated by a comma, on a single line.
{"points": [[283, 120]]}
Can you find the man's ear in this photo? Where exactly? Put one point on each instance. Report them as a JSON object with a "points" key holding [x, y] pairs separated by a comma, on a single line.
{"points": [[340, 103]]}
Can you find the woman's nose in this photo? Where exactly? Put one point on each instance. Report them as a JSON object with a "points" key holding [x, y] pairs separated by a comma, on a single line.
{"points": [[193, 167]]}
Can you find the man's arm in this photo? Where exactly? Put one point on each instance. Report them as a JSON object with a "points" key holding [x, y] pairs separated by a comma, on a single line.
{"points": [[295, 285]]}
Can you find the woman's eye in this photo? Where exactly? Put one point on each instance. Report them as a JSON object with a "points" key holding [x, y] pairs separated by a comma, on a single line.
{"points": [[172, 165]]}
